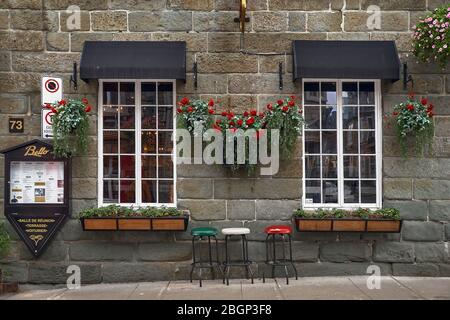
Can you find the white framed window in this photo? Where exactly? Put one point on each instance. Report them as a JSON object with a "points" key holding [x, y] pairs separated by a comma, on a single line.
{"points": [[342, 144], [137, 159]]}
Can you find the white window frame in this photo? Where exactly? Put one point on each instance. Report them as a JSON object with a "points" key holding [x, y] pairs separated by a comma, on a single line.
{"points": [[340, 157], [137, 154]]}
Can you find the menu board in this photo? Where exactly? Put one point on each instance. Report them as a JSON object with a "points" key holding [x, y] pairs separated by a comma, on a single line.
{"points": [[37, 182]]}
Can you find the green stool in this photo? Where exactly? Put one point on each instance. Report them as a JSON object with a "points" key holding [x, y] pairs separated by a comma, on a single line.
{"points": [[200, 234]]}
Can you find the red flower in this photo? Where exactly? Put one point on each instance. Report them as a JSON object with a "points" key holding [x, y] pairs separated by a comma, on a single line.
{"points": [[280, 102], [210, 111], [239, 122], [184, 101], [62, 102], [48, 106], [179, 110], [269, 106], [430, 107], [411, 95], [261, 115], [224, 113], [190, 109], [291, 103], [285, 109], [410, 107], [292, 97], [250, 121], [424, 101], [430, 114], [84, 100], [54, 110], [253, 113], [211, 103], [246, 114], [231, 123], [395, 113], [88, 108]]}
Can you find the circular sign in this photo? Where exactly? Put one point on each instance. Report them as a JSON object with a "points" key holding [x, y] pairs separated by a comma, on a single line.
{"points": [[49, 118], [51, 85]]}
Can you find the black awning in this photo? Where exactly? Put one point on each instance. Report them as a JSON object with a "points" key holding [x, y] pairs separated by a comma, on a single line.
{"points": [[133, 60], [346, 60]]}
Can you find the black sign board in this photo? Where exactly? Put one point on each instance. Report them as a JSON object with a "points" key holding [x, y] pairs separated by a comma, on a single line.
{"points": [[36, 192], [16, 125]]}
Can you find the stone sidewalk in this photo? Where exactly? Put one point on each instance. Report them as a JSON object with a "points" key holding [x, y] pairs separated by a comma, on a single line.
{"points": [[336, 288]]}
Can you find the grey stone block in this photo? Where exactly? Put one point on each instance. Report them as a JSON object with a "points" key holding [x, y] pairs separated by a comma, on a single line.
{"points": [[329, 269], [241, 210], [397, 188], [275, 209], [444, 270], [205, 209], [440, 210], [194, 188], [305, 251], [100, 251], [393, 252], [415, 270], [15, 272], [56, 273], [177, 251], [409, 210], [257, 189], [447, 231], [345, 252], [432, 189], [56, 251], [422, 231], [430, 252]]}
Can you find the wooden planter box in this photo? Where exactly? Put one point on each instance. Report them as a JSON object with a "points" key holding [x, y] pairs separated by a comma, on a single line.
{"points": [[347, 225], [8, 287], [178, 223]]}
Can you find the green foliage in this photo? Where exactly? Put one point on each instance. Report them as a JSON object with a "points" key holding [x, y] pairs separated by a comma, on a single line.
{"points": [[385, 213], [193, 114], [123, 212], [4, 240]]}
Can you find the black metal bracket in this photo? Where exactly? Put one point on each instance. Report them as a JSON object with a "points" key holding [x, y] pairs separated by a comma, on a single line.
{"points": [[195, 75], [280, 74], [247, 19], [406, 77], [74, 77]]}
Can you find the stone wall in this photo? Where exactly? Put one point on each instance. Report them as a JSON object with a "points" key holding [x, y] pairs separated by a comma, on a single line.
{"points": [[35, 40]]}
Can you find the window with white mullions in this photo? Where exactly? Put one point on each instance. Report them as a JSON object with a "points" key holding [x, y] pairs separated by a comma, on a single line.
{"points": [[341, 144]]}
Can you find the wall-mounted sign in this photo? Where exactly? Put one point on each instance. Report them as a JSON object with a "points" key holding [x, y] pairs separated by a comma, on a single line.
{"points": [[16, 125], [36, 192], [51, 92], [47, 129]]}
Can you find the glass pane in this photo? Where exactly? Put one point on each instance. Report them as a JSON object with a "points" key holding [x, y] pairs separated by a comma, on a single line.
{"points": [[127, 93], [148, 93], [350, 118], [312, 166], [350, 142], [330, 191], [329, 144], [368, 167], [350, 93], [368, 142], [127, 167], [110, 142], [149, 118], [110, 191], [165, 167], [148, 167], [110, 117], [313, 191], [311, 93], [165, 143], [165, 191], [149, 191], [110, 93], [110, 167], [328, 117], [127, 142], [148, 142], [329, 167], [127, 118], [328, 92], [367, 117], [312, 117], [351, 167], [312, 142], [368, 191], [127, 191], [165, 94], [165, 117], [366, 93], [351, 191]]}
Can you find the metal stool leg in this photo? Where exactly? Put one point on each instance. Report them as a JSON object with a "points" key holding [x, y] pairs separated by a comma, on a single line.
{"points": [[210, 259], [218, 263], [227, 261], [284, 259], [247, 261], [274, 258], [291, 259], [193, 259]]}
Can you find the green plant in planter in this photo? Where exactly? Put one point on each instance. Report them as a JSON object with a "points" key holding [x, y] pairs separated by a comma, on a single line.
{"points": [[117, 211], [385, 213], [192, 114], [70, 126]]}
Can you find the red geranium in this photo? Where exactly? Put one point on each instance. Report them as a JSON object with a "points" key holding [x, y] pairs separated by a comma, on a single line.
{"points": [[239, 122], [88, 108], [269, 106], [280, 102], [62, 102], [250, 121], [224, 113], [210, 111], [184, 101], [253, 113], [291, 103], [285, 109], [190, 109], [246, 114], [410, 107], [84, 100], [54, 110], [179, 110], [424, 101], [211, 103]]}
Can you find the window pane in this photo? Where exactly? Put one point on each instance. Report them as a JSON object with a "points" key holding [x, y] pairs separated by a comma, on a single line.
{"points": [[110, 166], [165, 117], [110, 117], [350, 118], [110, 93], [110, 191], [313, 191], [165, 143], [110, 142], [148, 167], [127, 191], [312, 142], [367, 116], [148, 142], [165, 94], [351, 191], [312, 166], [350, 142], [127, 93], [127, 118], [351, 167], [312, 117], [165, 167], [328, 92], [350, 93], [127, 167], [165, 191], [368, 191], [127, 142], [368, 167], [329, 144], [328, 117], [368, 142], [366, 93], [329, 167], [148, 93], [311, 93], [330, 191], [148, 118], [149, 191]]}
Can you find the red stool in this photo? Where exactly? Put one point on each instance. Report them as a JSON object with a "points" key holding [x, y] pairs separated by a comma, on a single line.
{"points": [[283, 232]]}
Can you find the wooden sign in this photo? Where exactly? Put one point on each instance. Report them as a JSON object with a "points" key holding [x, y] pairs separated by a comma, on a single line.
{"points": [[16, 125]]}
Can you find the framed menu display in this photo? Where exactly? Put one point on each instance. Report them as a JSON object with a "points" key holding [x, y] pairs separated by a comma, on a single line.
{"points": [[36, 192]]}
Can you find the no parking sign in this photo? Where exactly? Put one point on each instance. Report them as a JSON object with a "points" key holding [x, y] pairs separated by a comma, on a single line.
{"points": [[51, 92]]}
